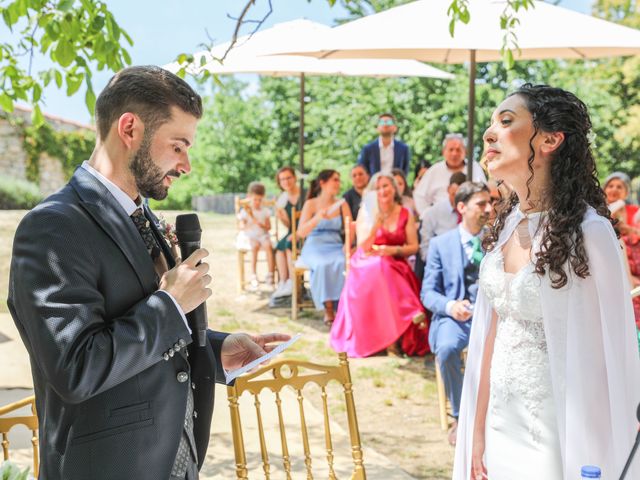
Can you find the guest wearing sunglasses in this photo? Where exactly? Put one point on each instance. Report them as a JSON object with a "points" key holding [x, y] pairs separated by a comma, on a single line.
{"points": [[385, 153]]}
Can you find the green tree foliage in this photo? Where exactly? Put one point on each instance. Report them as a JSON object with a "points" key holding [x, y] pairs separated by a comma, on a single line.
{"points": [[233, 145], [77, 35], [623, 77]]}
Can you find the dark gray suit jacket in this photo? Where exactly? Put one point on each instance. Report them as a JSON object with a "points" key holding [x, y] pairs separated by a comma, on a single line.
{"points": [[82, 293]]}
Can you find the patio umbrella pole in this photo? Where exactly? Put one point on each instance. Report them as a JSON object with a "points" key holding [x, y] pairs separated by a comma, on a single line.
{"points": [[472, 112], [301, 131]]}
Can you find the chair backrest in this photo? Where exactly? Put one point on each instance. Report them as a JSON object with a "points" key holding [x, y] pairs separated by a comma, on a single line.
{"points": [[30, 421], [296, 375], [295, 241], [347, 243]]}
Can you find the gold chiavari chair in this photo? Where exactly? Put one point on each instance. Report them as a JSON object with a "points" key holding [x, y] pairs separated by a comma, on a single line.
{"points": [[443, 403], [299, 270], [296, 375], [7, 422], [347, 244]]}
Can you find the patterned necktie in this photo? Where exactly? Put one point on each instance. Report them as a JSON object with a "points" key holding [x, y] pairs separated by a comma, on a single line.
{"points": [[142, 224], [476, 253]]}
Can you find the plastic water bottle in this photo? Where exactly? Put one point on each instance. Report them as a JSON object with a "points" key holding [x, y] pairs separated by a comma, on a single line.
{"points": [[590, 471]]}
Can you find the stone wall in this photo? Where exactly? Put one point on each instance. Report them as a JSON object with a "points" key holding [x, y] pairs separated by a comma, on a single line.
{"points": [[52, 175], [13, 158]]}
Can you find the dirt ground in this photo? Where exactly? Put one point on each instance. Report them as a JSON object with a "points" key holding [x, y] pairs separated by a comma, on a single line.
{"points": [[395, 398]]}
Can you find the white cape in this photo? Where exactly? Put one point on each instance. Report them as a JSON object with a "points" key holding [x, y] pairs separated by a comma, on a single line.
{"points": [[593, 356]]}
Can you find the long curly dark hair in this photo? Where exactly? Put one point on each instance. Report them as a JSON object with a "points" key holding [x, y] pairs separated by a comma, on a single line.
{"points": [[573, 185]]}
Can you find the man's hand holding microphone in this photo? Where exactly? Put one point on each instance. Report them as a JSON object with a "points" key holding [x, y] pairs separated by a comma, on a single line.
{"points": [[188, 282]]}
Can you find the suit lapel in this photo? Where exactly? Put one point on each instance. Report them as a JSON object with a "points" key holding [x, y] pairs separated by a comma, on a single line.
{"points": [[110, 216], [460, 258], [376, 157], [396, 155]]}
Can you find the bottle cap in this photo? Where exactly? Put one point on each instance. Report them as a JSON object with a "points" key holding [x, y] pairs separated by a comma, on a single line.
{"points": [[590, 471]]}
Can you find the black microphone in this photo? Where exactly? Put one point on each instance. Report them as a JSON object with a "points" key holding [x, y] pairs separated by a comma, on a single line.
{"points": [[189, 233], [633, 450]]}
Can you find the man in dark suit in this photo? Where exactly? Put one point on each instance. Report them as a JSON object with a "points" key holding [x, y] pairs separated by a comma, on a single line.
{"points": [[450, 286], [385, 153], [100, 302]]}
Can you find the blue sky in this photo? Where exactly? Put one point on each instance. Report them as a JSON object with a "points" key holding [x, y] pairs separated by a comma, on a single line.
{"points": [[162, 29]]}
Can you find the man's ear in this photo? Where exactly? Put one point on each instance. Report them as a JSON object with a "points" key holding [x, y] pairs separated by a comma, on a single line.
{"points": [[130, 130], [551, 141], [460, 207]]}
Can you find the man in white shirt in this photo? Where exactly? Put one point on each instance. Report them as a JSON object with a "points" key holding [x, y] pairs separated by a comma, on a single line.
{"points": [[434, 183], [385, 153], [442, 216]]}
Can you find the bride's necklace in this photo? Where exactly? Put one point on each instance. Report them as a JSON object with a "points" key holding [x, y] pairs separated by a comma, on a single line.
{"points": [[523, 238]]}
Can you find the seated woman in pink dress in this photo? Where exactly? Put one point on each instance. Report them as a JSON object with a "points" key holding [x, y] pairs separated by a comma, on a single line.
{"points": [[380, 301]]}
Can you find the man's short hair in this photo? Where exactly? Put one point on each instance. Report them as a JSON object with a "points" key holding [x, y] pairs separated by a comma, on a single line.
{"points": [[359, 165], [147, 91], [457, 178], [454, 136], [468, 190], [387, 114], [256, 188]]}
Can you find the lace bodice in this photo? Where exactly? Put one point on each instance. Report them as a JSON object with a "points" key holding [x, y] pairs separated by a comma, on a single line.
{"points": [[520, 363]]}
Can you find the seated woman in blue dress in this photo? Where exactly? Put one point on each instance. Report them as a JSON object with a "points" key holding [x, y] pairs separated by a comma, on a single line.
{"points": [[321, 224]]}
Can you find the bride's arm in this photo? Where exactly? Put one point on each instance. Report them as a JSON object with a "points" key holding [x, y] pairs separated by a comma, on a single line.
{"points": [[477, 464]]}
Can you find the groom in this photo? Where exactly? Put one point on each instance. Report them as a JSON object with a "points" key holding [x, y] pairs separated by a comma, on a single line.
{"points": [[450, 286], [100, 303]]}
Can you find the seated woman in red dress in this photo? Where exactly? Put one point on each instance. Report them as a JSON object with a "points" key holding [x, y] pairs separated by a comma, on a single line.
{"points": [[380, 301], [616, 188]]}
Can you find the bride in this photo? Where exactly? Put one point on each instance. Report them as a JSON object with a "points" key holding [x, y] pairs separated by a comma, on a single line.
{"points": [[552, 377]]}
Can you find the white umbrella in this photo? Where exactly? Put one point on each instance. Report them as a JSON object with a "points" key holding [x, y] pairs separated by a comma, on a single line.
{"points": [[419, 30], [250, 54]]}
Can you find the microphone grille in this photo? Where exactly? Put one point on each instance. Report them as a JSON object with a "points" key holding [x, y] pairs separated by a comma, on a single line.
{"points": [[188, 224]]}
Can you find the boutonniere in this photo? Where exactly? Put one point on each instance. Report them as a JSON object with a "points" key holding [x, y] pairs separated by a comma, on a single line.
{"points": [[168, 231]]}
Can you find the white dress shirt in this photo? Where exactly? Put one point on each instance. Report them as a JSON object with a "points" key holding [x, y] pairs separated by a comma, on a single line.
{"points": [[433, 185], [386, 156], [129, 206], [436, 220]]}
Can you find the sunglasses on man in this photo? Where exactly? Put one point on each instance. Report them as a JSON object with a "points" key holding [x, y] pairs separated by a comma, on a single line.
{"points": [[386, 122]]}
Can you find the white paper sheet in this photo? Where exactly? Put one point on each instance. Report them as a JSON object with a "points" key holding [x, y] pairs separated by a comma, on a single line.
{"points": [[230, 376]]}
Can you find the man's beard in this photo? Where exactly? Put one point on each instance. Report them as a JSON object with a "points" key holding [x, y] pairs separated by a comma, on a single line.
{"points": [[148, 176]]}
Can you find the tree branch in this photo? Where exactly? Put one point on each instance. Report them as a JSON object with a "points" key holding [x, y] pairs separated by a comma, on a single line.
{"points": [[241, 21]]}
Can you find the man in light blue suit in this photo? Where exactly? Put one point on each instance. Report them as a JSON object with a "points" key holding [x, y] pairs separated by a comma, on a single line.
{"points": [[385, 153], [450, 286]]}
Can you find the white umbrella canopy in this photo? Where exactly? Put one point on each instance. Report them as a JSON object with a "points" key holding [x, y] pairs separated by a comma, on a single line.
{"points": [[251, 54], [420, 30], [288, 65]]}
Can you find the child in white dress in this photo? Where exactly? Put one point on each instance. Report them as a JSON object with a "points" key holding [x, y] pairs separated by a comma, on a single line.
{"points": [[255, 225]]}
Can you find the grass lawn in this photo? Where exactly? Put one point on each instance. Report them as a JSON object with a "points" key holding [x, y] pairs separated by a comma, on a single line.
{"points": [[395, 397]]}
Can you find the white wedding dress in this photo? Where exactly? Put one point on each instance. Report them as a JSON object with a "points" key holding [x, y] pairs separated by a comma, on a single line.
{"points": [[521, 437]]}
